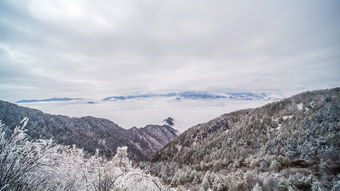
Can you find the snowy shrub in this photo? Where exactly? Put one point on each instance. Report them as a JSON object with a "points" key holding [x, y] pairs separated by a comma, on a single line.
{"points": [[336, 186], [206, 182], [316, 186], [275, 165], [218, 182], [257, 187], [297, 182]]}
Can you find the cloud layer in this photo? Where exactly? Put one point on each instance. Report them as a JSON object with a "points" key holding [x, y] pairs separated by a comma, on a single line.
{"points": [[82, 48]]}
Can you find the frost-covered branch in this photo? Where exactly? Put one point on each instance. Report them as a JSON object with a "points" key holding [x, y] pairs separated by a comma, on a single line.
{"points": [[40, 165]]}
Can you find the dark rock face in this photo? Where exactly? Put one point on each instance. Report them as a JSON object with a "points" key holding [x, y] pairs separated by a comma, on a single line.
{"points": [[152, 138], [88, 132]]}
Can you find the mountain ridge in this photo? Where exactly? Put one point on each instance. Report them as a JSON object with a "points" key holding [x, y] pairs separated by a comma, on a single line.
{"points": [[88, 132], [291, 144], [216, 120]]}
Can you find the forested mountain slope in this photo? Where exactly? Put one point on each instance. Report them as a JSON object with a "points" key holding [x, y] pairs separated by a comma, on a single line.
{"points": [[89, 133], [274, 145]]}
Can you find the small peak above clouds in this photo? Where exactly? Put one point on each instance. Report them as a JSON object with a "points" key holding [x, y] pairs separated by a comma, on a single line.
{"points": [[169, 121]]}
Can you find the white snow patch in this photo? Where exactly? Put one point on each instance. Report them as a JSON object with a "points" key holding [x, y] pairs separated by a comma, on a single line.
{"points": [[287, 117], [178, 147], [279, 126], [24, 121], [300, 106]]}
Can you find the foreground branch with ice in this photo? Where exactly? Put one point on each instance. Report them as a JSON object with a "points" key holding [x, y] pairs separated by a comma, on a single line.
{"points": [[41, 165]]}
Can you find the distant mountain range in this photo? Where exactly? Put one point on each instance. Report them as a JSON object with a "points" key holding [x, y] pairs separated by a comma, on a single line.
{"points": [[89, 133], [197, 95], [48, 100], [177, 95]]}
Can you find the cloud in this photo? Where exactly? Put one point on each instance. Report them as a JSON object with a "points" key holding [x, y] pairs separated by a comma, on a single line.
{"points": [[126, 47], [139, 112]]}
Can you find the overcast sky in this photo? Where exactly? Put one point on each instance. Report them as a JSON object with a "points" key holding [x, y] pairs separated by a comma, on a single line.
{"points": [[95, 49]]}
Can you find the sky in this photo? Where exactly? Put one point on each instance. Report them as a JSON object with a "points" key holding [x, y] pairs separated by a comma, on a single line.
{"points": [[96, 49]]}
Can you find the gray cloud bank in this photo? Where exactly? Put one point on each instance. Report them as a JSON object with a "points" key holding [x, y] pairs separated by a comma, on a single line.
{"points": [[88, 49], [85, 48]]}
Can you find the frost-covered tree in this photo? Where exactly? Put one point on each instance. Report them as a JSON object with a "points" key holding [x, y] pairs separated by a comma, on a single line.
{"points": [[77, 172], [40, 165], [21, 160], [257, 187], [74, 171], [206, 181], [336, 186], [218, 182], [318, 187], [121, 159]]}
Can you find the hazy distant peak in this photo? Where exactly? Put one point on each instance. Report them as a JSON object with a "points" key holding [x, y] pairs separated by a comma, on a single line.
{"points": [[189, 95], [48, 99], [195, 95]]}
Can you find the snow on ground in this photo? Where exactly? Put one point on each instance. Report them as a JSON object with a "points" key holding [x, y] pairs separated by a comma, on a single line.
{"points": [[300, 106], [287, 117]]}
